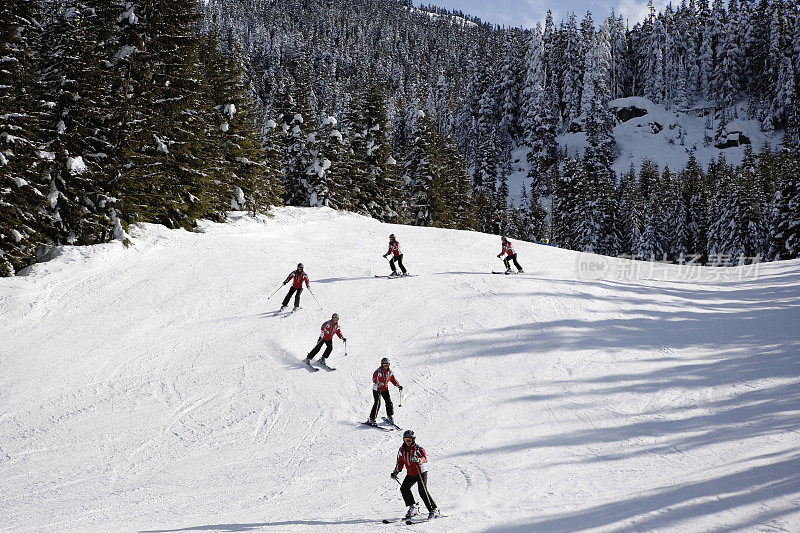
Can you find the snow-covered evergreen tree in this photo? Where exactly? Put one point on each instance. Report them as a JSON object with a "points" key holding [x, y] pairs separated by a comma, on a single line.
{"points": [[23, 187]]}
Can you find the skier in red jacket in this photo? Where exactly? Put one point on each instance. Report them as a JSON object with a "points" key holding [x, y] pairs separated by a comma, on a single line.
{"points": [[329, 329], [415, 460], [511, 255], [298, 277], [397, 255], [380, 388]]}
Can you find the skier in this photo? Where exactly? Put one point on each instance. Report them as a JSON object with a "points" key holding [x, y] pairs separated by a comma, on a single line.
{"points": [[329, 329], [413, 457], [511, 255], [397, 255], [298, 276], [380, 387]]}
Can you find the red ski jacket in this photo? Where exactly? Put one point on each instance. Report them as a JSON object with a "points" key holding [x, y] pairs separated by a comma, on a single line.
{"points": [[299, 278], [329, 329], [405, 456], [394, 249], [507, 249], [381, 379]]}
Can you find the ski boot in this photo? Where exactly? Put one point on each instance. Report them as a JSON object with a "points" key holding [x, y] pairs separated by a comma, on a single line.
{"points": [[394, 274], [508, 271], [308, 361], [390, 419], [520, 271], [372, 422], [433, 514], [413, 510]]}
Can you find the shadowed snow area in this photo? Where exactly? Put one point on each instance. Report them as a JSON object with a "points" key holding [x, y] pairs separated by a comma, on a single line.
{"points": [[151, 389]]}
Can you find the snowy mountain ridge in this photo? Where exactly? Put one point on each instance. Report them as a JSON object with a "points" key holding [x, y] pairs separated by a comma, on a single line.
{"points": [[152, 389]]}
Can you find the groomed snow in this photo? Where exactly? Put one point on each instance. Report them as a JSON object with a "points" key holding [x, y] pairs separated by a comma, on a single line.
{"points": [[149, 389]]}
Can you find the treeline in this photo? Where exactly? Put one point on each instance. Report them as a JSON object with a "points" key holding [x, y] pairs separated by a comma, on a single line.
{"points": [[723, 215], [488, 90], [115, 113]]}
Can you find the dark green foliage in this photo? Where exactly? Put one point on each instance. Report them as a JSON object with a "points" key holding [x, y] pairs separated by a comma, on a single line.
{"points": [[110, 115], [77, 79], [23, 184]]}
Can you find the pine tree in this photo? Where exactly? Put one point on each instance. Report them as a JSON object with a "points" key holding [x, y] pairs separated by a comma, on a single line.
{"points": [[420, 172], [696, 199], [23, 190], [165, 179], [629, 215], [377, 185], [722, 235], [459, 185], [652, 238], [565, 209], [535, 217], [330, 169], [241, 176], [509, 91], [298, 122], [784, 218], [76, 81]]}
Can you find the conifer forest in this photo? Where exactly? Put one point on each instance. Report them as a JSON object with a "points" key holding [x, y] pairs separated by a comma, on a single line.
{"points": [[114, 113]]}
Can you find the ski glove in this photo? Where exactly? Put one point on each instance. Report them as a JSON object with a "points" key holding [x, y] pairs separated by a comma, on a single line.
{"points": [[399, 387], [344, 340], [415, 459], [498, 256], [393, 475]]}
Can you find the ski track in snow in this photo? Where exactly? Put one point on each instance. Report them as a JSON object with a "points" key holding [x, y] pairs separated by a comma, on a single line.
{"points": [[153, 389]]}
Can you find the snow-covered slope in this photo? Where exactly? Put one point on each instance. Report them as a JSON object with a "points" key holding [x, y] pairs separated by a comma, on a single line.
{"points": [[149, 389]]}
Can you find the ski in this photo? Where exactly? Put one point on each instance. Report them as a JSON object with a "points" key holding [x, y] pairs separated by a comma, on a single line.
{"points": [[391, 423], [378, 427], [289, 313], [393, 277], [411, 522], [325, 366], [506, 273], [311, 368], [391, 520]]}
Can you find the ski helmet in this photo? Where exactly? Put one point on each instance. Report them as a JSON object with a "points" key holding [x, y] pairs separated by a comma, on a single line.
{"points": [[335, 315], [385, 361], [503, 238], [391, 236], [409, 434], [299, 265]]}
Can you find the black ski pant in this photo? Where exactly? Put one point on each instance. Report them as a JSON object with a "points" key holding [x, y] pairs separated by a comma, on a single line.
{"points": [[296, 297], [405, 490], [509, 258], [399, 260], [376, 406], [326, 353]]}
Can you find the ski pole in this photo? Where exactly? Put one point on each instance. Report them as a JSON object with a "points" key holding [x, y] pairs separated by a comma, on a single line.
{"points": [[401, 398], [345, 347], [315, 298], [274, 293]]}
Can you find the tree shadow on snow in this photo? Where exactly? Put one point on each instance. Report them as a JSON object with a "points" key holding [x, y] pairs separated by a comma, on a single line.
{"points": [[747, 342], [668, 506]]}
